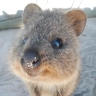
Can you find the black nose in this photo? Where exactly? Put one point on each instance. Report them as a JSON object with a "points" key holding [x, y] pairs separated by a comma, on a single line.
{"points": [[31, 58]]}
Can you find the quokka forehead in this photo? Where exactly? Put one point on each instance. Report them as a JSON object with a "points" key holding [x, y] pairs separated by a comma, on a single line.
{"points": [[47, 32]]}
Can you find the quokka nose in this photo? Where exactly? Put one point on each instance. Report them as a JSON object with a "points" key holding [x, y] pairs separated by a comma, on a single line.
{"points": [[31, 58]]}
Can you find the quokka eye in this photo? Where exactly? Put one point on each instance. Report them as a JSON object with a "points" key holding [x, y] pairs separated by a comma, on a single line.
{"points": [[24, 39], [57, 43]]}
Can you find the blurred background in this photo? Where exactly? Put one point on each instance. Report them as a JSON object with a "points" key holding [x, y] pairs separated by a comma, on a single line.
{"points": [[11, 10]]}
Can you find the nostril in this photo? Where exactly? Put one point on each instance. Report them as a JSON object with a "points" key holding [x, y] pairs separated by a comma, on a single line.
{"points": [[22, 61], [31, 64], [36, 62], [30, 59]]}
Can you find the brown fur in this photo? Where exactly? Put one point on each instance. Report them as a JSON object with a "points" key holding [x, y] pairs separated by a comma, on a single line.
{"points": [[58, 72]]}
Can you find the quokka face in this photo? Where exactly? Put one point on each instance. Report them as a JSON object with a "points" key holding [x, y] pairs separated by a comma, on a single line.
{"points": [[46, 49]]}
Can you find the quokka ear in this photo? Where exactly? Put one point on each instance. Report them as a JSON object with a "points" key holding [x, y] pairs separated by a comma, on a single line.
{"points": [[77, 19], [29, 10]]}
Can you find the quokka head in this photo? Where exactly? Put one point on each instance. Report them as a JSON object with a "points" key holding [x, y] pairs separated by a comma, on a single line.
{"points": [[46, 49]]}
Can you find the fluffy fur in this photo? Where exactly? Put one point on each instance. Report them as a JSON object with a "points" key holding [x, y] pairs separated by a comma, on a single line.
{"points": [[58, 72]]}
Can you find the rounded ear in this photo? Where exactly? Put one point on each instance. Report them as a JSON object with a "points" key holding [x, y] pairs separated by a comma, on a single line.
{"points": [[29, 10], [77, 19]]}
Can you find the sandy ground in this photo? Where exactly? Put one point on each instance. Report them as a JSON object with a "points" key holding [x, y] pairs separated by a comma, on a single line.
{"points": [[13, 86]]}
